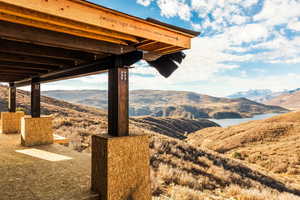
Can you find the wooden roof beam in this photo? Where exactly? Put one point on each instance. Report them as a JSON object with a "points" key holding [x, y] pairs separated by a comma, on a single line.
{"points": [[66, 13], [85, 69], [17, 72], [145, 44], [8, 79], [15, 76], [168, 50], [24, 33], [37, 68], [29, 17], [49, 52], [152, 47], [34, 60]]}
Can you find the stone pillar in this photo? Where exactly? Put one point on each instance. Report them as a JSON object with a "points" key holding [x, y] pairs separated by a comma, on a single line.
{"points": [[36, 131], [120, 167], [10, 122]]}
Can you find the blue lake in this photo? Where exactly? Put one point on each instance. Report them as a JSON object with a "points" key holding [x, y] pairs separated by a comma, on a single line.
{"points": [[231, 122]]}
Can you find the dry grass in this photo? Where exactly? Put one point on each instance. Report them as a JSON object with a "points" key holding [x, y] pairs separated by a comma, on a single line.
{"points": [[179, 171], [273, 144]]}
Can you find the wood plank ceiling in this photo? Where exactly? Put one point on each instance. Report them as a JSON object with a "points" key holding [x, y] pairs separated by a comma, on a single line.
{"points": [[39, 41]]}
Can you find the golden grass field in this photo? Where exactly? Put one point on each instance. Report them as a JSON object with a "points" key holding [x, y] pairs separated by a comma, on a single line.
{"points": [[204, 166]]}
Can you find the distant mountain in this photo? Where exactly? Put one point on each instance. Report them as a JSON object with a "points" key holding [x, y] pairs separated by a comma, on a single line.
{"points": [[255, 95], [261, 96], [290, 100], [160, 103]]}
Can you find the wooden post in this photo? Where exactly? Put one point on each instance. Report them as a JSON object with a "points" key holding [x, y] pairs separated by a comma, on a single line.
{"points": [[35, 98], [118, 121], [12, 98]]}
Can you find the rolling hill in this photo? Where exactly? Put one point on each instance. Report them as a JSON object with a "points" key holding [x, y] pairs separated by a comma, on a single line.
{"points": [[272, 144], [179, 170], [171, 104], [290, 100], [88, 118]]}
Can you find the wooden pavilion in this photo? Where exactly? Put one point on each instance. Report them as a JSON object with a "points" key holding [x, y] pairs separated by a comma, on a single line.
{"points": [[48, 40]]}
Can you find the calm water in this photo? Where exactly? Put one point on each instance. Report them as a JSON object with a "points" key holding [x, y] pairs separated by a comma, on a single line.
{"points": [[230, 122]]}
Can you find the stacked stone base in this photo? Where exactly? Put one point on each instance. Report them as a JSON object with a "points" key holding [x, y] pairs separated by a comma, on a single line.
{"points": [[10, 122], [120, 167], [36, 131]]}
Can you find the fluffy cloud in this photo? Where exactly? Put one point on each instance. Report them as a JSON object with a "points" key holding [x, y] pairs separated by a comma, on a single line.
{"points": [[294, 25], [233, 34], [172, 8], [217, 15], [277, 12], [144, 2], [279, 50]]}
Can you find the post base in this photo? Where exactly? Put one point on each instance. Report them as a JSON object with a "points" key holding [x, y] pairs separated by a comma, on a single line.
{"points": [[10, 122], [36, 131], [120, 167]]}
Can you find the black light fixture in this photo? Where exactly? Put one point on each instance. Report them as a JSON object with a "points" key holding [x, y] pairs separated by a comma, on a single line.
{"points": [[167, 64]]}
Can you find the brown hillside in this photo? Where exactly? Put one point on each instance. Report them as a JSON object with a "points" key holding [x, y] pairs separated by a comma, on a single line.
{"points": [[179, 171], [273, 143], [78, 121], [161, 103], [289, 101]]}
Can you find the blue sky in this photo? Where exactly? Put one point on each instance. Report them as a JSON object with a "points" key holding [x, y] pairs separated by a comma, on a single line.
{"points": [[245, 44]]}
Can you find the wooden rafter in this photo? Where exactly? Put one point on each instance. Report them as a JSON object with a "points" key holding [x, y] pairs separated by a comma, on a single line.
{"points": [[18, 72], [28, 66], [34, 18], [23, 33], [21, 48], [94, 67], [34, 60], [66, 13]]}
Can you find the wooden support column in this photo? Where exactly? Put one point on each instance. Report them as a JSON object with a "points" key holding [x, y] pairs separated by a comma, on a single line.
{"points": [[118, 121], [12, 98], [35, 98]]}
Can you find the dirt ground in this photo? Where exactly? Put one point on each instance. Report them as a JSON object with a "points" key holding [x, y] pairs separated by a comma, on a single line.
{"points": [[30, 178]]}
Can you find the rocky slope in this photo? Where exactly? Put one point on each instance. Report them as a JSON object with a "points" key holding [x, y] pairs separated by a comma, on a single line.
{"points": [[172, 104]]}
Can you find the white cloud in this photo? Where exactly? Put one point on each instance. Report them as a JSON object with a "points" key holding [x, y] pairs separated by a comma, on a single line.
{"points": [[144, 2], [224, 12], [172, 8], [197, 27], [294, 25], [247, 33], [250, 3], [230, 27], [273, 82], [277, 12], [99, 78], [280, 50]]}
